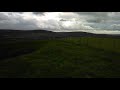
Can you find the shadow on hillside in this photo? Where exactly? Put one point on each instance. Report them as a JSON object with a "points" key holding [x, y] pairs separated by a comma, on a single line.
{"points": [[5, 53]]}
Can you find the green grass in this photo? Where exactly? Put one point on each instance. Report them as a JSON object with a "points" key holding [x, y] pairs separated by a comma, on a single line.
{"points": [[73, 57]]}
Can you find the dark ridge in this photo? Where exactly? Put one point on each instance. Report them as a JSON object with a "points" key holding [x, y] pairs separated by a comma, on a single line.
{"points": [[45, 34]]}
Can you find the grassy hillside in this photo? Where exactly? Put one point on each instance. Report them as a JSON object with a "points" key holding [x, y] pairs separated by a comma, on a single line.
{"points": [[110, 44], [71, 57]]}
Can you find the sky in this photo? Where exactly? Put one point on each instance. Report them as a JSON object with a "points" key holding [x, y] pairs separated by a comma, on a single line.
{"points": [[96, 22]]}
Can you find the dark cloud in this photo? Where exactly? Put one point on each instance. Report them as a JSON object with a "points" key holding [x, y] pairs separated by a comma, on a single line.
{"points": [[39, 13]]}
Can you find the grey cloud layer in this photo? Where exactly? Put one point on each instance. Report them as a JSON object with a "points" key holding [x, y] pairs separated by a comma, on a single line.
{"points": [[16, 21], [51, 20]]}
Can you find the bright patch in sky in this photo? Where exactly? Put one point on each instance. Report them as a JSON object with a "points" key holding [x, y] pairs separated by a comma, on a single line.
{"points": [[68, 23]]}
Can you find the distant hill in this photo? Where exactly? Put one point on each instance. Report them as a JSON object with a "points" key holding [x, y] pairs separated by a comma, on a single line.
{"points": [[45, 34]]}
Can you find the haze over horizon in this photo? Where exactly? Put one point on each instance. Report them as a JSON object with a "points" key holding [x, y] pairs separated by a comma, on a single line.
{"points": [[95, 22]]}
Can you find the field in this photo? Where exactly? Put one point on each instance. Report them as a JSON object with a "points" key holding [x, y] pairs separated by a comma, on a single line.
{"points": [[85, 57]]}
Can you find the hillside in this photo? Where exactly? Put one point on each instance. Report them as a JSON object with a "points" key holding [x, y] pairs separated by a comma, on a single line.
{"points": [[44, 34], [46, 54], [69, 58]]}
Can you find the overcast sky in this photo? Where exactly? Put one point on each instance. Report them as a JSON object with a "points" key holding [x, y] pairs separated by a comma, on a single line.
{"points": [[62, 21]]}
